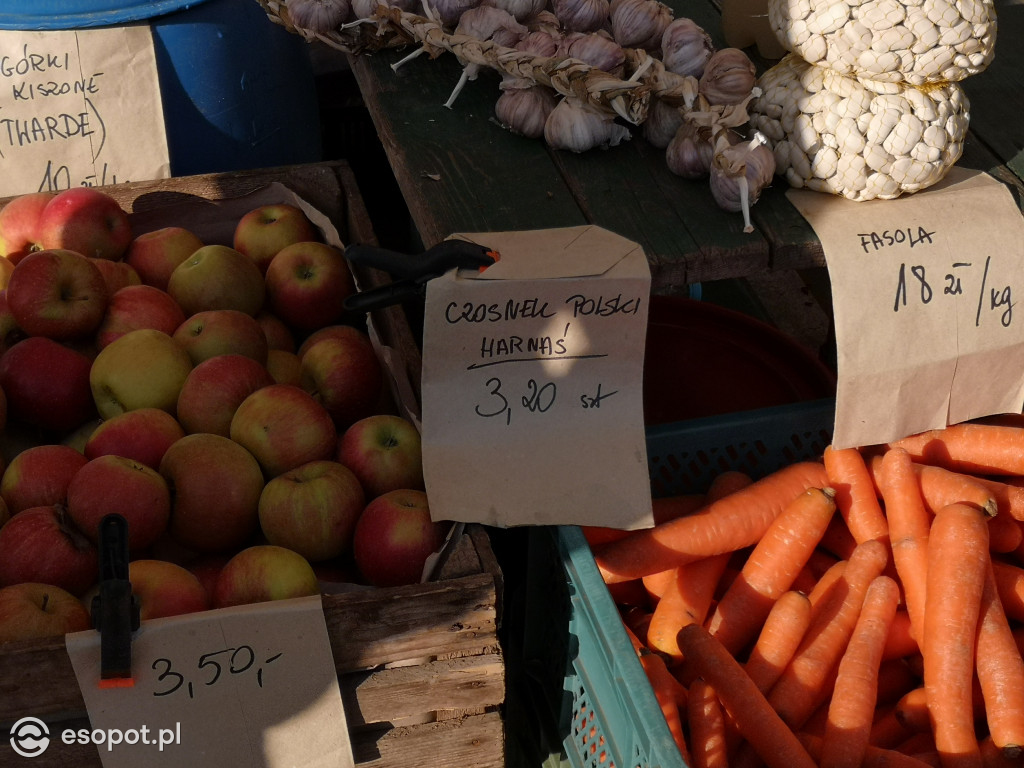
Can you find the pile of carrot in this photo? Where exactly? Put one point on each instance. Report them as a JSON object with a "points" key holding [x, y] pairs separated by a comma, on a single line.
{"points": [[866, 609]]}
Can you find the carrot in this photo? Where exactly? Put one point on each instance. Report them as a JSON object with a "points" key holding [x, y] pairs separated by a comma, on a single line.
{"points": [[874, 757], [727, 482], [1005, 534], [755, 720], [662, 510], [826, 584], [941, 487], [856, 495], [982, 448], [1010, 584], [655, 584], [706, 722], [837, 539], [664, 686], [855, 694], [725, 525], [686, 600], [993, 757], [886, 730], [895, 678], [912, 708], [629, 593], [900, 642], [637, 620], [770, 569], [780, 636], [957, 563], [802, 685], [909, 524], [1000, 672]]}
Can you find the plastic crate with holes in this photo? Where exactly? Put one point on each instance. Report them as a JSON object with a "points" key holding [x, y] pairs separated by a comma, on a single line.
{"points": [[588, 686]]}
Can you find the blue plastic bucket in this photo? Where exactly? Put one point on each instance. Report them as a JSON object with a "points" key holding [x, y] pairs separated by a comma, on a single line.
{"points": [[238, 91]]}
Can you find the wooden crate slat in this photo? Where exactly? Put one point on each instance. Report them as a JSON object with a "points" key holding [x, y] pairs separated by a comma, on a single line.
{"points": [[477, 741]]}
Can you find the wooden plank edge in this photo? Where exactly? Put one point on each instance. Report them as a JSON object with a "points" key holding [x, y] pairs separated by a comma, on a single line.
{"points": [[477, 740]]}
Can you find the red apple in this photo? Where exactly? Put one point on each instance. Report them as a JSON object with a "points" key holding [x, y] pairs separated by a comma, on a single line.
{"points": [[283, 427], [279, 336], [6, 268], [215, 485], [116, 274], [47, 384], [155, 255], [264, 231], [312, 509], [307, 283], [138, 306], [383, 450], [57, 293], [10, 333], [329, 332], [114, 484], [394, 537], [217, 277], [166, 589], [284, 367], [222, 332], [41, 544], [32, 611], [207, 568], [39, 476], [264, 572], [144, 435], [214, 390], [19, 225], [142, 369], [344, 374], [85, 220]]}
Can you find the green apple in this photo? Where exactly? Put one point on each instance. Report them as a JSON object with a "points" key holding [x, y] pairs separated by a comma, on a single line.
{"points": [[217, 277], [264, 572], [145, 368]]}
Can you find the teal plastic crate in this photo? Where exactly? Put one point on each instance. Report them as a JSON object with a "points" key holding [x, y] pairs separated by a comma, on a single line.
{"points": [[595, 708]]}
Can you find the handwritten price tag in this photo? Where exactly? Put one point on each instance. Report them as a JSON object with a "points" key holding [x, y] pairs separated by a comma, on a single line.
{"points": [[253, 685], [924, 294], [79, 108], [532, 383]]}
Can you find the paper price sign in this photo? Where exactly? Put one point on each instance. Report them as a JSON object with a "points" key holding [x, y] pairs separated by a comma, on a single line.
{"points": [[532, 383], [925, 290], [253, 685]]}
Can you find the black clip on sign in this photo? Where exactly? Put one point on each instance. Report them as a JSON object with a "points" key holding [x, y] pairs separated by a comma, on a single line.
{"points": [[115, 610]]}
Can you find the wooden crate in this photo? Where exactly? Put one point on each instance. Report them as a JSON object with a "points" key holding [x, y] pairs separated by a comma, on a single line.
{"points": [[420, 668]]}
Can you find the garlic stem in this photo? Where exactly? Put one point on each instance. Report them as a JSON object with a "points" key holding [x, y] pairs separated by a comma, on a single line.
{"points": [[745, 203], [418, 52], [468, 73]]}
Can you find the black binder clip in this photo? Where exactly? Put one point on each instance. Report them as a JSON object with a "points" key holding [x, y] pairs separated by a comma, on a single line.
{"points": [[411, 272], [115, 610]]}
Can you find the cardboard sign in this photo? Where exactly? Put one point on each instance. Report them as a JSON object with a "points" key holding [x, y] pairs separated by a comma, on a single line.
{"points": [[532, 383], [253, 685], [79, 108], [925, 290]]}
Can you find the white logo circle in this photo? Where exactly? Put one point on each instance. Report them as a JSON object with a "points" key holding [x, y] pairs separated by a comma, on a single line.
{"points": [[30, 737]]}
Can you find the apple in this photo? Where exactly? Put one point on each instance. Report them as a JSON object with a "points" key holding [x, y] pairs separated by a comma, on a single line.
{"points": [[10, 333], [57, 293], [217, 277], [39, 476], [144, 435], [77, 438], [283, 427], [3, 409], [114, 484], [214, 390], [264, 231], [215, 489], [47, 384], [155, 255], [342, 372], [312, 509], [279, 335], [222, 332], [307, 283], [116, 274], [138, 306], [32, 611], [207, 568], [264, 572], [145, 368], [166, 589], [85, 220], [383, 451], [6, 268], [341, 331], [284, 367], [19, 225], [41, 544], [394, 537]]}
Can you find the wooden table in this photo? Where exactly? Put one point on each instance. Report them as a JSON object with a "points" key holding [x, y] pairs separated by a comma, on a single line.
{"points": [[459, 171]]}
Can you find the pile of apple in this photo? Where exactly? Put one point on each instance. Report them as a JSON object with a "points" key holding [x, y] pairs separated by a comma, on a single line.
{"points": [[218, 397]]}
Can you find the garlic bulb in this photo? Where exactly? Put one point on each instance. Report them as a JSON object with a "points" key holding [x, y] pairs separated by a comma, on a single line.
{"points": [[483, 23], [539, 42], [639, 23], [836, 134], [518, 9], [738, 174], [896, 41], [525, 110], [663, 120], [596, 49], [572, 126], [320, 16], [364, 9], [728, 78], [581, 15], [448, 12], [690, 151], [545, 21], [685, 48]]}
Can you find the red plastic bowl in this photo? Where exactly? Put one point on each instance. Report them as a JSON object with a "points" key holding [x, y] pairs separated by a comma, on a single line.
{"points": [[705, 360]]}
